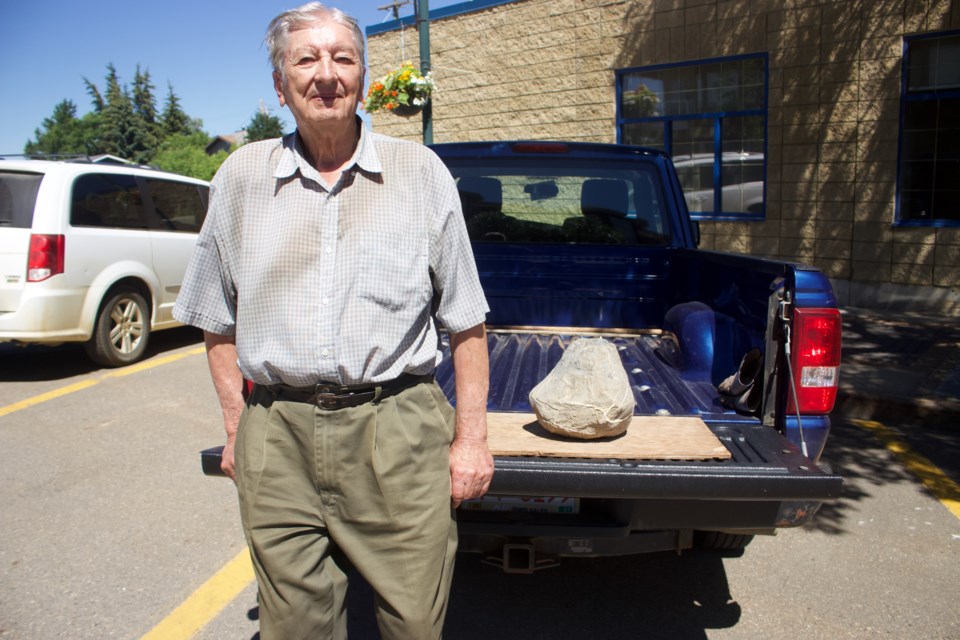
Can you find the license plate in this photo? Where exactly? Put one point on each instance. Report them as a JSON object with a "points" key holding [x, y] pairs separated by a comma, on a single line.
{"points": [[524, 504]]}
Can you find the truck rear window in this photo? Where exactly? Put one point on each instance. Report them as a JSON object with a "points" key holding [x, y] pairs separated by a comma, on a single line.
{"points": [[506, 203], [18, 196]]}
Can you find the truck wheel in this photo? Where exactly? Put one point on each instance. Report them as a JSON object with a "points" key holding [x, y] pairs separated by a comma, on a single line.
{"points": [[729, 543], [122, 330]]}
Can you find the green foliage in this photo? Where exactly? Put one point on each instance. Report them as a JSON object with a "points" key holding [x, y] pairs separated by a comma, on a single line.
{"points": [[264, 126], [126, 122], [174, 120], [63, 134], [186, 155], [60, 134]]}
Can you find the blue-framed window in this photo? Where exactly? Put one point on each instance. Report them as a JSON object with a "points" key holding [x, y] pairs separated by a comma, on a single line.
{"points": [[711, 117], [928, 175]]}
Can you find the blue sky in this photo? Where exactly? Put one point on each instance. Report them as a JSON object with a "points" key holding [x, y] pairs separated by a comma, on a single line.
{"points": [[211, 51]]}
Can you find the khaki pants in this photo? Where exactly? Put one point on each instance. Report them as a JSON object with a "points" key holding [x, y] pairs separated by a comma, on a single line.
{"points": [[365, 486]]}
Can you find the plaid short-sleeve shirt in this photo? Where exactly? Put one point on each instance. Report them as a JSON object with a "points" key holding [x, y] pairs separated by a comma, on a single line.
{"points": [[340, 283]]}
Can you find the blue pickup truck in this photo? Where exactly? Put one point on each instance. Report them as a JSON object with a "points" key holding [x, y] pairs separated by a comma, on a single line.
{"points": [[580, 239]]}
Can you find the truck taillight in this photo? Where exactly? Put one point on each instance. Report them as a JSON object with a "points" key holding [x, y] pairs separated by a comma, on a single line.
{"points": [[815, 360], [46, 256]]}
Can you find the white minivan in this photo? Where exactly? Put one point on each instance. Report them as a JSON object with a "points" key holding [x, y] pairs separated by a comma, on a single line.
{"points": [[93, 253]]}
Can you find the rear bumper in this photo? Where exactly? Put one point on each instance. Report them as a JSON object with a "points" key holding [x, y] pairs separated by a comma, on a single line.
{"points": [[45, 314]]}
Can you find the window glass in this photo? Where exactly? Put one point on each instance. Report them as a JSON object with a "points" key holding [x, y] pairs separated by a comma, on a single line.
{"points": [[645, 134], [573, 205], [934, 64], [930, 132], [709, 116], [18, 195], [179, 206], [107, 200]]}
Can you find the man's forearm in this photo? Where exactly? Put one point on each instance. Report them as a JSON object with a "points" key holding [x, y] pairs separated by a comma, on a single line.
{"points": [[471, 368], [227, 379], [228, 383], [471, 465]]}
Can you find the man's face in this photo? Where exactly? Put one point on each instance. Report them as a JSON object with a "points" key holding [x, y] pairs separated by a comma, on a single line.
{"points": [[323, 75]]}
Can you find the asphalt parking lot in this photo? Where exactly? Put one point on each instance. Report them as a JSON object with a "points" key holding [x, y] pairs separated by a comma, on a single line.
{"points": [[111, 531]]}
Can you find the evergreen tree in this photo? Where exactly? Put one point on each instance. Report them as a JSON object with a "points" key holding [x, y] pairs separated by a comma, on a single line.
{"points": [[173, 119], [128, 122], [60, 134], [264, 126], [147, 132], [143, 101], [117, 129], [95, 96], [123, 122]]}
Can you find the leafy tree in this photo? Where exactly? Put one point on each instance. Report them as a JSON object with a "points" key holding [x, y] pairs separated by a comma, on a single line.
{"points": [[187, 155], [264, 126]]}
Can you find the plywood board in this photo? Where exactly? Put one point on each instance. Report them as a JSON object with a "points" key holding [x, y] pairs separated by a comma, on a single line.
{"points": [[647, 438]]}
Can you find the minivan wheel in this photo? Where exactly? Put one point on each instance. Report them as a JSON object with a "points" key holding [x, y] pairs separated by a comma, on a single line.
{"points": [[122, 331]]}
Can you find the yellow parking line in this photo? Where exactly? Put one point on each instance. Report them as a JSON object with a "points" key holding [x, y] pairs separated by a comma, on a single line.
{"points": [[49, 395], [207, 602], [150, 364], [936, 481], [86, 384]]}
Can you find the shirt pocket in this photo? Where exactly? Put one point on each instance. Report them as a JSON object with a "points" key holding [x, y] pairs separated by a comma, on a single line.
{"points": [[395, 273]]}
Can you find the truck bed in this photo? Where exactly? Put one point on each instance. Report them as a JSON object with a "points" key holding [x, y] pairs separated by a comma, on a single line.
{"points": [[519, 360], [763, 465]]}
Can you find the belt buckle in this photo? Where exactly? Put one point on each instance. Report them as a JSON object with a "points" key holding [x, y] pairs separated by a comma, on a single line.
{"points": [[326, 399]]}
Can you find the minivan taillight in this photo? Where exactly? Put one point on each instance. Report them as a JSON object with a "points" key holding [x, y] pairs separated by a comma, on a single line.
{"points": [[46, 256], [815, 360]]}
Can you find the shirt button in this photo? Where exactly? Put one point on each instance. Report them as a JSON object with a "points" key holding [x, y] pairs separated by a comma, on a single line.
{"points": [[325, 301], [328, 250], [325, 353]]}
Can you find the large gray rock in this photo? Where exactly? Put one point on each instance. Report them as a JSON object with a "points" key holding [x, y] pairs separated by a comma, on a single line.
{"points": [[587, 395]]}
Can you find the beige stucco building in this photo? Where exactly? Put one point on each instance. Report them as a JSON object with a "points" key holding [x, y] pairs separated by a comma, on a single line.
{"points": [[851, 109]]}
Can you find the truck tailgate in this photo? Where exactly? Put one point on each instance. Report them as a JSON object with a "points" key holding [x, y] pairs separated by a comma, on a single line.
{"points": [[764, 466]]}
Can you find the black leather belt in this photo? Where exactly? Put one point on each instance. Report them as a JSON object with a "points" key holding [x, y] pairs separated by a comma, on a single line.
{"points": [[331, 396]]}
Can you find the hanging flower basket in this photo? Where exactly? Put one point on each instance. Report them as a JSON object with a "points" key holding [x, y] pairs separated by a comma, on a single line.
{"points": [[406, 110], [403, 91]]}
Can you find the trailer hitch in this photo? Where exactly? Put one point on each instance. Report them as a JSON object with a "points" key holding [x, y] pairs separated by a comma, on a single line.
{"points": [[521, 558]]}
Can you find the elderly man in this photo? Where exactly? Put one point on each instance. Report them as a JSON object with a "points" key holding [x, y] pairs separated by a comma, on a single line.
{"points": [[326, 262]]}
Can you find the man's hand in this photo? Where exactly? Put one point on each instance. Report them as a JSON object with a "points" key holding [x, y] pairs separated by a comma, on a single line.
{"points": [[471, 469], [226, 458]]}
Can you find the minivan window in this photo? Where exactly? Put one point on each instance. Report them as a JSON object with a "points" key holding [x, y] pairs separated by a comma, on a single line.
{"points": [[18, 195], [179, 205], [107, 200]]}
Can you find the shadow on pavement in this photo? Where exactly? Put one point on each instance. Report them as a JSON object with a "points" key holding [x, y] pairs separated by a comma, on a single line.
{"points": [[34, 363], [862, 460], [648, 596]]}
